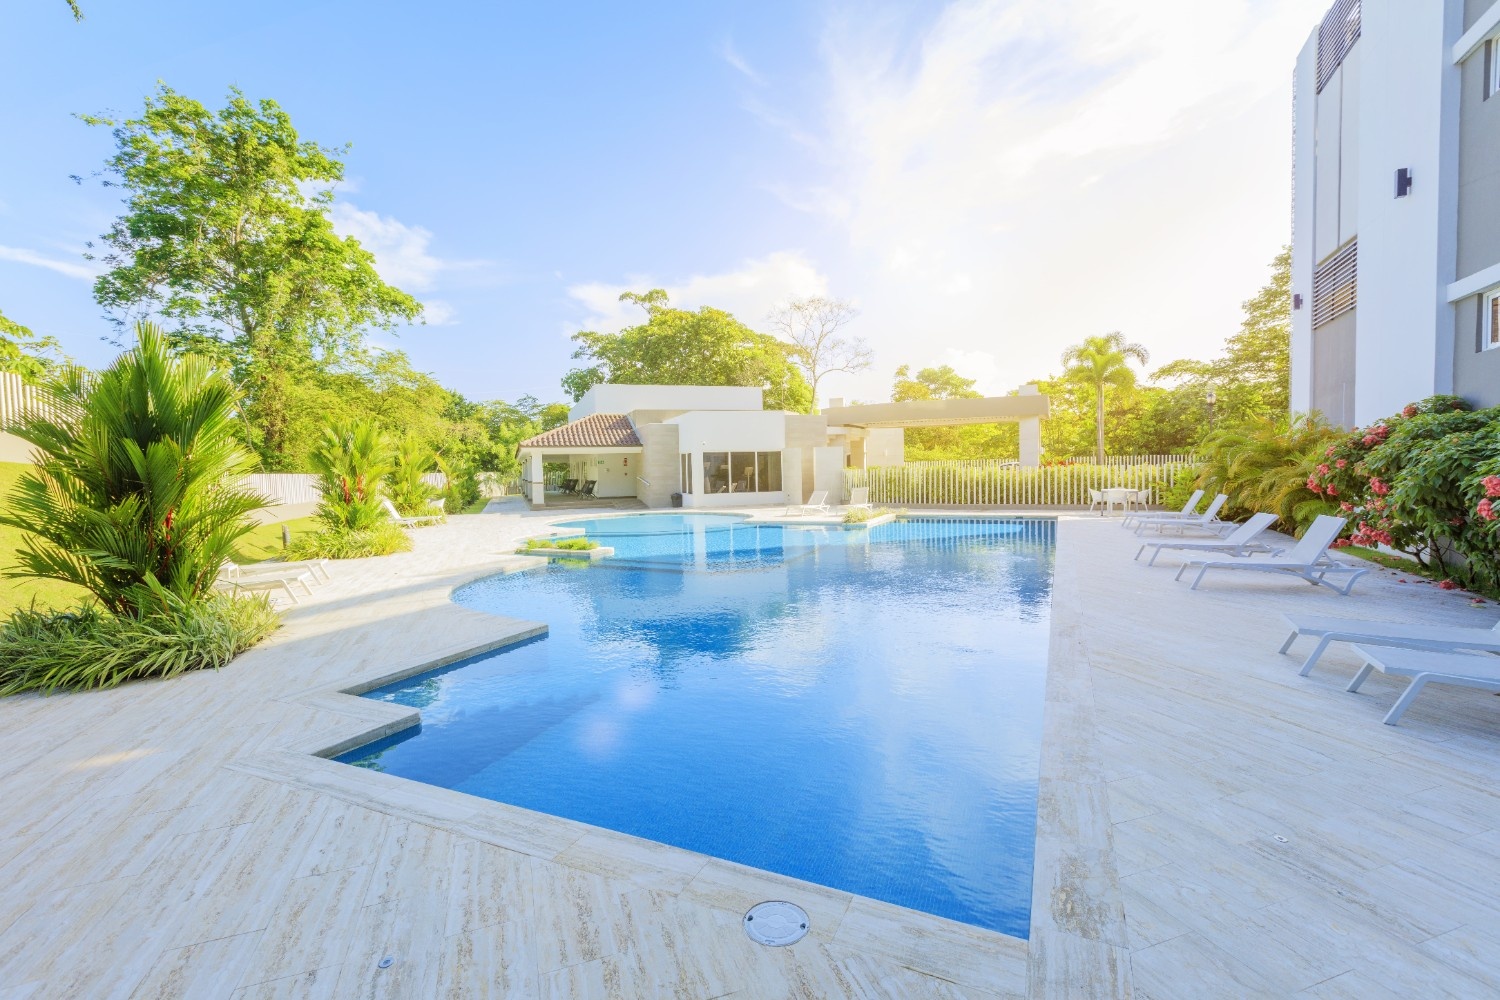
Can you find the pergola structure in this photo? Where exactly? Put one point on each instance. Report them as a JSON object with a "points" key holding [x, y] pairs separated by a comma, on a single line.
{"points": [[1028, 409]]}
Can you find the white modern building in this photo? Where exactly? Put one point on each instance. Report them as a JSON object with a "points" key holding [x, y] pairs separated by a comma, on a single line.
{"points": [[718, 447], [1396, 208]]}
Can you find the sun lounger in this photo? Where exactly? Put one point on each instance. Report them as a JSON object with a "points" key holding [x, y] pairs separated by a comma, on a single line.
{"points": [[237, 577], [859, 496], [1438, 638], [816, 504], [407, 522], [1186, 511], [1206, 521], [1241, 542], [1476, 670], [1308, 560]]}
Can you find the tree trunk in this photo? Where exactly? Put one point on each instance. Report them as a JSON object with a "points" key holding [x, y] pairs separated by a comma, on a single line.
{"points": [[1099, 423]]}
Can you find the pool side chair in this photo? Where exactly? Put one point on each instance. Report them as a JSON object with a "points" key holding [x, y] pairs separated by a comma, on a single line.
{"points": [[816, 504], [1207, 521], [1243, 541], [1435, 638], [1187, 510], [407, 522], [1475, 670], [317, 567], [859, 497], [233, 577], [587, 490], [1096, 499], [1308, 560]]}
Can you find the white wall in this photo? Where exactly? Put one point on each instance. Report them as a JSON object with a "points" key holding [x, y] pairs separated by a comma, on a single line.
{"points": [[628, 398], [746, 430], [1304, 260], [613, 475], [1408, 118]]}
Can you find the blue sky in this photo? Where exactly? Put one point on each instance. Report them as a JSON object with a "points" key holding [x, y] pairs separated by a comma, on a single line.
{"points": [[987, 181]]}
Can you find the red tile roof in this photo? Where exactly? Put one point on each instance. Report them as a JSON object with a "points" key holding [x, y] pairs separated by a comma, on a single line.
{"points": [[598, 430]]}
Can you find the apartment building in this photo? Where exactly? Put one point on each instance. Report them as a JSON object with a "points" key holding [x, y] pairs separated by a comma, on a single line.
{"points": [[1396, 207]]}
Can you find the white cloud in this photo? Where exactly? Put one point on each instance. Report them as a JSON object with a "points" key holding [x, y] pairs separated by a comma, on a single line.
{"points": [[749, 292], [439, 313], [21, 255], [401, 252], [732, 56], [1016, 174]]}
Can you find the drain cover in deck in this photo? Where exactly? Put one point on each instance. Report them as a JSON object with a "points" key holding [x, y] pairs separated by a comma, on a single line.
{"points": [[776, 923]]}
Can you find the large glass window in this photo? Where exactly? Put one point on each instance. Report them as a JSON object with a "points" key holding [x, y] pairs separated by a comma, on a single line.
{"points": [[769, 465], [715, 472], [742, 472]]}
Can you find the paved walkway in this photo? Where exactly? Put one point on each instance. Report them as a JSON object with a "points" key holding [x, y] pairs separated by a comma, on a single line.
{"points": [[1210, 824]]}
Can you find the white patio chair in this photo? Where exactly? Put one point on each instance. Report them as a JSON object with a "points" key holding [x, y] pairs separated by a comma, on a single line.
{"points": [[318, 568], [1096, 499], [1308, 560], [1207, 521], [1243, 541], [234, 577], [407, 522], [1437, 638], [859, 496], [816, 504], [1188, 510], [1426, 667]]}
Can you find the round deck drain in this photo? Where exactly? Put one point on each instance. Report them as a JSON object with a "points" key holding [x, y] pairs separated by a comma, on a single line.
{"points": [[776, 923]]}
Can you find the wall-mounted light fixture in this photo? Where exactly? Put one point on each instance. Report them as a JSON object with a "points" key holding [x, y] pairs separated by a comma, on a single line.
{"points": [[1403, 182], [1297, 300]]}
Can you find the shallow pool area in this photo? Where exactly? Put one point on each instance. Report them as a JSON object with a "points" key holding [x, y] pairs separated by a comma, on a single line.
{"points": [[860, 708]]}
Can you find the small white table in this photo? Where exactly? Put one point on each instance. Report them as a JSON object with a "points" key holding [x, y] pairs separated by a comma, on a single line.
{"points": [[1124, 497]]}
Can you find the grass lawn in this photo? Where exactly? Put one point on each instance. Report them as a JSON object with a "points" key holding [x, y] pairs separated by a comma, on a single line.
{"points": [[20, 593], [264, 541]]}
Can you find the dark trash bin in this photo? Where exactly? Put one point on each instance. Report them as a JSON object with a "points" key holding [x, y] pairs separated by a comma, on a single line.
{"points": [[676, 499]]}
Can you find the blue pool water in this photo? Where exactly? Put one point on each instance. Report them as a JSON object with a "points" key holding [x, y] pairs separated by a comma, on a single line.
{"points": [[857, 708]]}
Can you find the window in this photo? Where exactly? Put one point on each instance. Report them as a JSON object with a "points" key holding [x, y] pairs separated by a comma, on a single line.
{"points": [[742, 472], [715, 472], [686, 474], [1489, 332], [768, 463]]}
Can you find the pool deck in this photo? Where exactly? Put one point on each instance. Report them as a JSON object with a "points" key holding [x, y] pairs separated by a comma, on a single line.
{"points": [[1210, 824]]}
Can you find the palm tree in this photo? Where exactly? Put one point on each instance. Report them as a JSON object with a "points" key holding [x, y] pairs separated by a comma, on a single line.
{"points": [[351, 460], [136, 492], [1102, 363]]}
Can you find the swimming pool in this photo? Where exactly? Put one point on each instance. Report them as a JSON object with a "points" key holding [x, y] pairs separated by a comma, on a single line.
{"points": [[857, 708]]}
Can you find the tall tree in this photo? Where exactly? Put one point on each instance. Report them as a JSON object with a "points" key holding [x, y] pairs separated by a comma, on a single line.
{"points": [[941, 382], [677, 347], [226, 233], [1253, 378], [812, 326], [1103, 363]]}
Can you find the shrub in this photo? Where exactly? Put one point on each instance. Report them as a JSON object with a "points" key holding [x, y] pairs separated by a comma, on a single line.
{"points": [[136, 492], [567, 544], [381, 539], [1267, 465], [94, 648], [351, 461], [411, 460], [462, 490], [859, 515]]}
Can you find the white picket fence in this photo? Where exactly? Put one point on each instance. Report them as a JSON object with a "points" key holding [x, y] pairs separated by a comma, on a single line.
{"points": [[302, 487], [997, 483], [18, 400]]}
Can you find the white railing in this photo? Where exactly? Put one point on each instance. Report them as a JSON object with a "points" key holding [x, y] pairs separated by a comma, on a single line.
{"points": [[1184, 459], [998, 483]]}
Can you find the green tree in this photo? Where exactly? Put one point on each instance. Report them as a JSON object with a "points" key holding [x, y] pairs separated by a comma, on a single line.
{"points": [[677, 347], [941, 382], [1253, 378], [1100, 364], [136, 496], [412, 459], [352, 460], [23, 352], [226, 233]]}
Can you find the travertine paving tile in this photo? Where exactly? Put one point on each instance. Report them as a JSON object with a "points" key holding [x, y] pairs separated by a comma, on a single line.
{"points": [[200, 970], [312, 925]]}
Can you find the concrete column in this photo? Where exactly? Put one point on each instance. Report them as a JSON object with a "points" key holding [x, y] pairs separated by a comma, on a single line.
{"points": [[537, 477], [1031, 432]]}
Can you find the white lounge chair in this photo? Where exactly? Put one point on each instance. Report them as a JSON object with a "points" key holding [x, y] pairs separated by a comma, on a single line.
{"points": [[318, 568], [407, 522], [235, 577], [859, 496], [816, 504], [1426, 667], [1308, 560], [1437, 638], [1188, 510], [1241, 542], [1206, 521]]}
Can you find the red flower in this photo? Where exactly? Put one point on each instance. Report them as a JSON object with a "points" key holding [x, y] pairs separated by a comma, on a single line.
{"points": [[1333, 491], [1312, 484], [1329, 452], [1342, 543], [1410, 410], [1341, 463], [1486, 510], [1447, 585], [1322, 470], [1380, 489], [1457, 522], [1345, 505], [1491, 486]]}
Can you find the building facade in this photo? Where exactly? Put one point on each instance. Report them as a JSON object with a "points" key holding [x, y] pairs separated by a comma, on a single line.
{"points": [[1396, 208]]}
